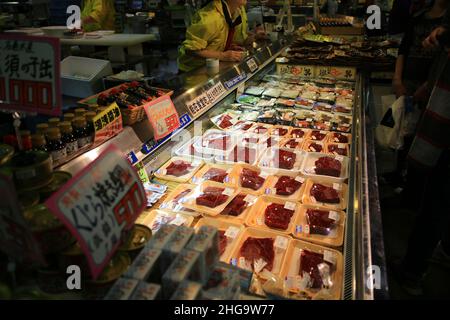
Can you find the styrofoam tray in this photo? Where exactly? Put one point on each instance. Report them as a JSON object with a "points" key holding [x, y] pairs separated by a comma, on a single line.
{"points": [[309, 164], [183, 150], [199, 144], [267, 161]]}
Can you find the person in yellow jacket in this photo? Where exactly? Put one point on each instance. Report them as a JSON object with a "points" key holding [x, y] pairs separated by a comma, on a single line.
{"points": [[218, 31], [98, 15]]}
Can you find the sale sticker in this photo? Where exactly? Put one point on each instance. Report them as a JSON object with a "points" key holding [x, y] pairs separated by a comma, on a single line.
{"points": [[99, 204], [162, 116]]}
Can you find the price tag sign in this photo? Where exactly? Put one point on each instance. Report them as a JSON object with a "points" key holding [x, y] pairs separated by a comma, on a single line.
{"points": [[281, 242], [205, 100], [252, 65], [142, 173], [232, 232], [163, 116], [107, 124], [99, 204], [16, 239], [30, 77]]}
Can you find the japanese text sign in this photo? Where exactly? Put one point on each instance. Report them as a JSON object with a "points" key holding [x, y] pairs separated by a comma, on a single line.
{"points": [[16, 239], [30, 78], [162, 116], [107, 123], [296, 70], [206, 99], [99, 204]]}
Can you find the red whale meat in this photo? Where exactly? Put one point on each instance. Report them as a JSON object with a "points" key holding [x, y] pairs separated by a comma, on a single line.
{"points": [[254, 249], [286, 159], [225, 121], [251, 140], [328, 166], [215, 174], [251, 179], [244, 154], [335, 148], [298, 133], [261, 130], [341, 138], [271, 141], [280, 131], [315, 147], [181, 195], [309, 262], [319, 222], [324, 194], [287, 186], [292, 144], [317, 135], [178, 168], [223, 241], [236, 206], [277, 216], [211, 197]]}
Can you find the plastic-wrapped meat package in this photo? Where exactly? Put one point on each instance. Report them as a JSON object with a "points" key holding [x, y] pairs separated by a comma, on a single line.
{"points": [[303, 123], [328, 166], [254, 249], [319, 221], [242, 154], [215, 174], [304, 103], [211, 197], [310, 263], [342, 109], [225, 122], [277, 216], [178, 168], [298, 133], [251, 179], [261, 129], [242, 126], [287, 186], [314, 146], [285, 117], [286, 159], [181, 195], [339, 137], [280, 131], [318, 135], [223, 241], [219, 143], [321, 106], [322, 125], [271, 141], [251, 140], [236, 206], [324, 194], [268, 116], [336, 149], [292, 143]]}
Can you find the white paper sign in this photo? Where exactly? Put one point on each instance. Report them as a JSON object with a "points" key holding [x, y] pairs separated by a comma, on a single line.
{"points": [[232, 232], [281, 242], [206, 99]]}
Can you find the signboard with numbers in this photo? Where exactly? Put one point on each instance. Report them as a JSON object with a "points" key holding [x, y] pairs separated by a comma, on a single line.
{"points": [[99, 204], [206, 99], [107, 123], [163, 116], [30, 74], [16, 239], [296, 70]]}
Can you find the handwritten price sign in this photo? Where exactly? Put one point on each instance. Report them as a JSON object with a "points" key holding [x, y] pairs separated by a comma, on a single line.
{"points": [[29, 74], [108, 123], [162, 116], [99, 204]]}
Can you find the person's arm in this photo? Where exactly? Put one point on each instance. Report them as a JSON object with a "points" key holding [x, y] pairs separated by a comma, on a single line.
{"points": [[229, 55]]}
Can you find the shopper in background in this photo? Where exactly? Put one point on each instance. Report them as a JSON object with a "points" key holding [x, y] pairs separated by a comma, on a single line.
{"points": [[98, 15], [429, 176], [218, 31]]}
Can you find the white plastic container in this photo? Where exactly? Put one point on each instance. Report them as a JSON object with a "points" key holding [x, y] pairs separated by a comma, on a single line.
{"points": [[183, 150], [82, 77], [269, 163], [308, 167], [201, 145]]}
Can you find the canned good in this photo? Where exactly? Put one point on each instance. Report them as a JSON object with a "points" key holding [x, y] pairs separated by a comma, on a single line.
{"points": [[99, 288], [51, 235], [59, 178], [136, 240], [32, 169], [6, 153]]}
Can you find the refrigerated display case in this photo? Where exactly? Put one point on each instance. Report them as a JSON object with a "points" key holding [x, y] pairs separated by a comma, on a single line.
{"points": [[199, 98]]}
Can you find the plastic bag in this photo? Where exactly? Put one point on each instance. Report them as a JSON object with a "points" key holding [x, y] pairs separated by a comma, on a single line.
{"points": [[389, 131]]}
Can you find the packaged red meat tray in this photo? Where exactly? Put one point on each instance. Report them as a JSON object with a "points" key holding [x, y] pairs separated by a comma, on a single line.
{"points": [[229, 233], [241, 127], [174, 201], [225, 121], [286, 187], [338, 137], [214, 172], [292, 143], [300, 133], [250, 179], [210, 198], [241, 154], [178, 169], [260, 128], [337, 149], [274, 213], [313, 270], [282, 160], [261, 251], [318, 135], [320, 225], [313, 146], [261, 142], [155, 219], [334, 167], [239, 208], [187, 150], [280, 131], [216, 142], [325, 193]]}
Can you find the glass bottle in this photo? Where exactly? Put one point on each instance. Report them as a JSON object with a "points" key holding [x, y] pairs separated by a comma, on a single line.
{"points": [[55, 146], [68, 138], [69, 117], [90, 124], [53, 122], [80, 112], [39, 143], [42, 128], [80, 131], [25, 136]]}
